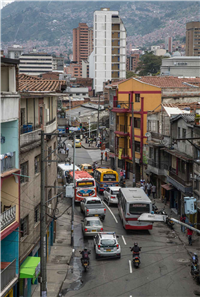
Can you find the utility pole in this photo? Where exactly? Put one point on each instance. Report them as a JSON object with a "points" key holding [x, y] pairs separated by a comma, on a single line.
{"points": [[133, 144], [98, 118], [43, 286], [73, 197]]}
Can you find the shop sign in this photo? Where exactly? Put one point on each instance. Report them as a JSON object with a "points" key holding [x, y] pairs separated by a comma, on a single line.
{"points": [[120, 154]]}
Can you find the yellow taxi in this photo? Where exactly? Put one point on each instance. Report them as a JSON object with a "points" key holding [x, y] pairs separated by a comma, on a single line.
{"points": [[87, 167], [77, 143]]}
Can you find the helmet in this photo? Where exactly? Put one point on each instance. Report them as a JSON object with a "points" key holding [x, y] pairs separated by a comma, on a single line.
{"points": [[85, 249], [135, 244]]}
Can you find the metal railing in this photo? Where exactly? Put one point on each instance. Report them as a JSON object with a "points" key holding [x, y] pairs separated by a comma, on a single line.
{"points": [[122, 128], [8, 162], [50, 122], [178, 179], [121, 105], [8, 274], [29, 128], [157, 165], [7, 217], [156, 135]]}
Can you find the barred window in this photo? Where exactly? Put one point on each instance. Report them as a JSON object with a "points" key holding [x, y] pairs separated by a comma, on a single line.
{"points": [[37, 164], [24, 226], [37, 214], [137, 97], [24, 172]]}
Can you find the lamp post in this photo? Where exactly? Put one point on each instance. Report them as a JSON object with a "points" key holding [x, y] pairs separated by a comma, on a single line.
{"points": [[89, 126]]}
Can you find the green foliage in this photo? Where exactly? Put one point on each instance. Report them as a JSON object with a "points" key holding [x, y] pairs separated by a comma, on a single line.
{"points": [[149, 64], [130, 74]]}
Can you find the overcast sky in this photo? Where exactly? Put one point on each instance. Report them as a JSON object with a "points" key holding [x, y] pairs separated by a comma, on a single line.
{"points": [[4, 2]]}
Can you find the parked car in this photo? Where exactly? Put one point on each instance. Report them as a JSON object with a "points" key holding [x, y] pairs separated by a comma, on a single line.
{"points": [[91, 226], [93, 207], [86, 167], [77, 143], [107, 245], [111, 195]]}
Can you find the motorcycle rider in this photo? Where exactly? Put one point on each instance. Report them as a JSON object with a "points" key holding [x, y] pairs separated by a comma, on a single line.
{"points": [[136, 249], [85, 255]]}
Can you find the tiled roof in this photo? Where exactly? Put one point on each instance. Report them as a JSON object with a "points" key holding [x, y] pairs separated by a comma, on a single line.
{"points": [[28, 83], [189, 118], [178, 154], [170, 81], [191, 105]]}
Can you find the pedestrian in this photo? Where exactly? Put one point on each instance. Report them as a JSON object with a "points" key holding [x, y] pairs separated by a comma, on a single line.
{"points": [[145, 187], [189, 234], [67, 152], [86, 139], [142, 186], [124, 173], [148, 189], [101, 157], [121, 175], [153, 189], [182, 219], [106, 155]]}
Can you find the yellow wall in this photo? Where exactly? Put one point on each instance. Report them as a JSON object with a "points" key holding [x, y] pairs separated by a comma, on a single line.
{"points": [[151, 101], [10, 194]]}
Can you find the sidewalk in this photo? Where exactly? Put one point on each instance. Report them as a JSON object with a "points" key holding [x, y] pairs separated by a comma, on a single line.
{"points": [[87, 147], [61, 253]]}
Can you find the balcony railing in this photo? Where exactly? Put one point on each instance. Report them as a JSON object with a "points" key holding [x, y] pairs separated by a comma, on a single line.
{"points": [[29, 128], [8, 162], [50, 122], [156, 135], [121, 105], [184, 182], [7, 217], [157, 165], [122, 128], [8, 274]]}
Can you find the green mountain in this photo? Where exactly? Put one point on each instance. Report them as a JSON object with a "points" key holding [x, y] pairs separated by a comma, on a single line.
{"points": [[54, 20]]}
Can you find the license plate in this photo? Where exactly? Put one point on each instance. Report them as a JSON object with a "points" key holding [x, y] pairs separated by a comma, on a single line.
{"points": [[96, 215], [109, 250], [136, 260], [94, 230]]}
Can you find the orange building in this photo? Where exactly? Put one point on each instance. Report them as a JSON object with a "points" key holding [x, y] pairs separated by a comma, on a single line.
{"points": [[143, 97]]}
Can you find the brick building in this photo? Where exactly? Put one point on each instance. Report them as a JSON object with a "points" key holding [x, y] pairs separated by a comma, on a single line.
{"points": [[193, 39], [132, 62]]}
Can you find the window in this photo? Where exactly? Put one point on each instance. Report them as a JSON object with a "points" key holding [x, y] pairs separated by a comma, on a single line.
{"points": [[151, 153], [37, 214], [198, 154], [149, 125], [117, 120], [49, 154], [196, 185], [54, 148], [37, 164], [137, 123], [184, 134], [183, 167], [137, 97], [55, 187], [24, 227], [24, 172], [22, 116], [179, 132], [137, 146]]}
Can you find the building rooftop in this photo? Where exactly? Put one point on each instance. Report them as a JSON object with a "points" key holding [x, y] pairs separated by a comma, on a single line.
{"points": [[170, 81]]}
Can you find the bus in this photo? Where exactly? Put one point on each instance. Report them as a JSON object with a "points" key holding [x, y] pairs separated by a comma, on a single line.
{"points": [[85, 185], [63, 171], [105, 177], [132, 202]]}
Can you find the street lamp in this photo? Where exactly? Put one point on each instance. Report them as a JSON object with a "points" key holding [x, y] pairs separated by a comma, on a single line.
{"points": [[89, 126]]}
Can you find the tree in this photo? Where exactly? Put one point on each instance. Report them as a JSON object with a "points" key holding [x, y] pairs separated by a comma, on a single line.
{"points": [[149, 64], [130, 74]]}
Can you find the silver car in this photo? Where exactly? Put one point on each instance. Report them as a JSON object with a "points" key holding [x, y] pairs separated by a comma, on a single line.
{"points": [[107, 245], [91, 226], [111, 195]]}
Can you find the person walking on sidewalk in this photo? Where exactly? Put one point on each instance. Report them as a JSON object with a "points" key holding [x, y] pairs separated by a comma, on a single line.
{"points": [[106, 156], [149, 189], [121, 175], [101, 157], [189, 234], [182, 219], [153, 189]]}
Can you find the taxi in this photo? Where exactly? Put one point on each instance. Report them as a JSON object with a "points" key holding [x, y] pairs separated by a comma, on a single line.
{"points": [[77, 143], [86, 167]]}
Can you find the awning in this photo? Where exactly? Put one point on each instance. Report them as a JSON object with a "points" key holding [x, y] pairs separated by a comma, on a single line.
{"points": [[30, 268], [167, 187]]}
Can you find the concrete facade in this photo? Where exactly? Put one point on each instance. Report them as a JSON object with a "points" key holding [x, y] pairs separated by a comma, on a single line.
{"points": [[35, 63], [181, 66], [193, 39]]}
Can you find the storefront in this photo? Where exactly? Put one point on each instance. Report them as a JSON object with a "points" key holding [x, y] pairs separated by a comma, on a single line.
{"points": [[29, 271]]}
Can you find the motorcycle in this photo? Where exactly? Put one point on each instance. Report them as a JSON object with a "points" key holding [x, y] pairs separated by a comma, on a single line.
{"points": [[85, 262], [154, 208], [136, 259], [170, 223], [195, 269]]}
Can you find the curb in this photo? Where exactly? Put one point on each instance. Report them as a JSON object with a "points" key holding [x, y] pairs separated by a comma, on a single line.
{"points": [[68, 263], [90, 148]]}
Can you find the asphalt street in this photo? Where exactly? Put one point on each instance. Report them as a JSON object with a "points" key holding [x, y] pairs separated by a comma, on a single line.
{"points": [[164, 269]]}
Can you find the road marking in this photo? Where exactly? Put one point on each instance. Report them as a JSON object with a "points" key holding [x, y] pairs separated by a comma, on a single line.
{"points": [[130, 266], [123, 239], [110, 212]]}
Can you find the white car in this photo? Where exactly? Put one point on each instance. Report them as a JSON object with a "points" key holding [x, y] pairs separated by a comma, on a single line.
{"points": [[106, 245], [111, 195]]}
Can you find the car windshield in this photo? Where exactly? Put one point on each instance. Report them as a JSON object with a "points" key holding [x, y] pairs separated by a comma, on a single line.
{"points": [[109, 177], [114, 192], [139, 208], [94, 202], [93, 223], [87, 167], [77, 140], [108, 242]]}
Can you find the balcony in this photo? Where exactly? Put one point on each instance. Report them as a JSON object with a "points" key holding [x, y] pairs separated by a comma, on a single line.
{"points": [[156, 136], [122, 152], [120, 107], [29, 134], [8, 163], [156, 168], [8, 217], [51, 126], [183, 185], [29, 128], [122, 130], [8, 275]]}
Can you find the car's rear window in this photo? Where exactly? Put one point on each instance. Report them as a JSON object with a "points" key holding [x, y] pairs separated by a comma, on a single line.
{"points": [[93, 223], [87, 167], [94, 202], [108, 242], [114, 192]]}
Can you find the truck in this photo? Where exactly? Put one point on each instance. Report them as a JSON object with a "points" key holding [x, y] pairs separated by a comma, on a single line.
{"points": [[93, 207]]}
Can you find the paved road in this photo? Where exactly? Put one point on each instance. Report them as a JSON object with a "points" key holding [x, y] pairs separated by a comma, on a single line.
{"points": [[164, 269]]}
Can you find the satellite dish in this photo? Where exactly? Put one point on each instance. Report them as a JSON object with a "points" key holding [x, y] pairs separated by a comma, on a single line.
{"points": [[148, 134]]}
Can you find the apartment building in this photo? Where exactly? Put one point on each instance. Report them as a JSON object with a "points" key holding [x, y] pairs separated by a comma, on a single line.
{"points": [[168, 44], [132, 62], [58, 64], [193, 39], [38, 111], [108, 60], [10, 177], [35, 63]]}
